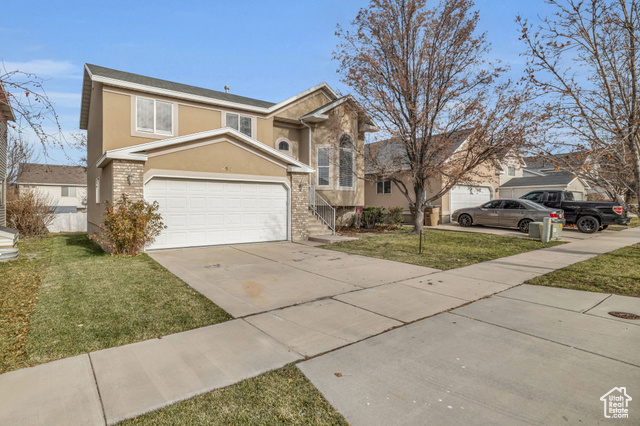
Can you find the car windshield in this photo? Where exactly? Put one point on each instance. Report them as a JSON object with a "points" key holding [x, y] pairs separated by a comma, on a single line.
{"points": [[532, 205]]}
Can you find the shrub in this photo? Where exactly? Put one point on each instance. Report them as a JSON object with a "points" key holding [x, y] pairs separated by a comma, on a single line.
{"points": [[372, 216], [29, 211], [130, 225], [394, 216]]}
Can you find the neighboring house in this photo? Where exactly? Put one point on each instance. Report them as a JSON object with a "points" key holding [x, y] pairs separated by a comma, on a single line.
{"points": [[545, 173], [516, 188], [65, 187], [224, 168], [8, 236], [481, 186]]}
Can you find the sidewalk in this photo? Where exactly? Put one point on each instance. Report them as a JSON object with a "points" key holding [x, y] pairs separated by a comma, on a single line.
{"points": [[107, 386]]}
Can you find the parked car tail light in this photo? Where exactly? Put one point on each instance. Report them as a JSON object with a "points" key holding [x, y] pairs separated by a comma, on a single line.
{"points": [[553, 215], [617, 209]]}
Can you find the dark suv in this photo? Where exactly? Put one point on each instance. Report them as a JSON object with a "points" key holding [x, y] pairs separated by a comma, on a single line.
{"points": [[588, 216]]}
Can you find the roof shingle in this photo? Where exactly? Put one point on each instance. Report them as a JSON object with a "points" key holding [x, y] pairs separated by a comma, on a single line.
{"points": [[51, 174], [552, 179]]}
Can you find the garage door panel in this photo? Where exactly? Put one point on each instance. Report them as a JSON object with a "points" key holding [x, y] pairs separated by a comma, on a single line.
{"points": [[463, 196], [212, 212]]}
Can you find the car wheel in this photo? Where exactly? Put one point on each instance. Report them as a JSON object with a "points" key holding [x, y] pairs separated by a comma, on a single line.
{"points": [[588, 224], [523, 226], [603, 227], [465, 220]]}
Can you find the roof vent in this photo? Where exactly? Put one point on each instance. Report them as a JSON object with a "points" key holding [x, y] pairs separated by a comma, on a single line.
{"points": [[226, 89]]}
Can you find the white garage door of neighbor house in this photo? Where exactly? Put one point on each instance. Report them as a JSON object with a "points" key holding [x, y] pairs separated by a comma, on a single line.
{"points": [[466, 196], [203, 213]]}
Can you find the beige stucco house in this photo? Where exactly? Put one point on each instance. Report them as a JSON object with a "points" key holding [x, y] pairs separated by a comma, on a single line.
{"points": [[480, 186], [224, 168]]}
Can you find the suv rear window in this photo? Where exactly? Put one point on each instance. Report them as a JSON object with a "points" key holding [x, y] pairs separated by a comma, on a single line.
{"points": [[534, 196]]}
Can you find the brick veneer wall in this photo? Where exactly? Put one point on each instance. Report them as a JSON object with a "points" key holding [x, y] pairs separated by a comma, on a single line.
{"points": [[121, 171], [299, 206]]}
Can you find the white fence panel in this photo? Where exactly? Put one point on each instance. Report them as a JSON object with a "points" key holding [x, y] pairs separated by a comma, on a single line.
{"points": [[68, 222]]}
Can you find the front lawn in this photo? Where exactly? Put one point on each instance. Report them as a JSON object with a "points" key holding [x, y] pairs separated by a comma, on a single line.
{"points": [[617, 272], [440, 249], [65, 296], [278, 397]]}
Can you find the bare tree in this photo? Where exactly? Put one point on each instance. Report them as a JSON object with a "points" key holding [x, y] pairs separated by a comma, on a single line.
{"points": [[18, 151], [420, 73], [584, 60], [34, 111]]}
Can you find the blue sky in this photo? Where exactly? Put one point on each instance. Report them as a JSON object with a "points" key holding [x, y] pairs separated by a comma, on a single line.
{"points": [[268, 50]]}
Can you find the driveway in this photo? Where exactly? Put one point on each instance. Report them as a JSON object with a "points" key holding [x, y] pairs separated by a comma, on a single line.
{"points": [[249, 279]]}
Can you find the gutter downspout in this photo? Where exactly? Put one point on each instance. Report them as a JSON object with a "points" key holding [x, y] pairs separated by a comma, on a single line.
{"points": [[310, 131]]}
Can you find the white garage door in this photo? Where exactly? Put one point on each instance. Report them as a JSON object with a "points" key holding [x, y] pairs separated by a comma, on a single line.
{"points": [[203, 213], [468, 196]]}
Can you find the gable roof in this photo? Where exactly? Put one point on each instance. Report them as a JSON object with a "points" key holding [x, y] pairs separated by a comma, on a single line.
{"points": [[139, 152], [95, 73], [552, 179], [550, 162], [393, 150], [49, 174]]}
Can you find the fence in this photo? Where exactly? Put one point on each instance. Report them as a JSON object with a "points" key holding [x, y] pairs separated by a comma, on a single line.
{"points": [[68, 222]]}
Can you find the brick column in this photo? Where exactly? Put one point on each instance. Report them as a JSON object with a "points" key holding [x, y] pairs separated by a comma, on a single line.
{"points": [[121, 171], [299, 206]]}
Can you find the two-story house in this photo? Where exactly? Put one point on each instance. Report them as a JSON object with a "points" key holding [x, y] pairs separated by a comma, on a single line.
{"points": [[224, 168]]}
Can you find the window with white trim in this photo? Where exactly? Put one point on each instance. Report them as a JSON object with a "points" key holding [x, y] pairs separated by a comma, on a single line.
{"points": [[346, 162], [154, 116], [511, 171], [2, 193], [68, 191], [242, 123], [324, 166], [97, 190], [384, 187]]}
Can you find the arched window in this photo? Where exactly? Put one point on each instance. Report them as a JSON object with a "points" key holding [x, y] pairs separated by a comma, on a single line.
{"points": [[284, 146], [346, 161]]}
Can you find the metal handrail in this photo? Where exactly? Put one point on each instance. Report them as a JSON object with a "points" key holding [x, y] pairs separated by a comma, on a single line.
{"points": [[322, 209]]}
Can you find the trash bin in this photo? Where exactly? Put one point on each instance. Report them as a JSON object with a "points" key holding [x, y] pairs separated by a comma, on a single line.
{"points": [[432, 215]]}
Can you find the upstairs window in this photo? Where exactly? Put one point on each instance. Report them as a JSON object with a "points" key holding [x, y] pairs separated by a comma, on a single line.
{"points": [[324, 166], [384, 187], [284, 146], [241, 123], [511, 171], [154, 116], [68, 191], [346, 162]]}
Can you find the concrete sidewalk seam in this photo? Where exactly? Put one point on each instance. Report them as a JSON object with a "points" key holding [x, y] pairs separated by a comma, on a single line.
{"points": [[600, 302], [368, 310], [95, 379], [545, 339], [302, 357], [542, 304]]}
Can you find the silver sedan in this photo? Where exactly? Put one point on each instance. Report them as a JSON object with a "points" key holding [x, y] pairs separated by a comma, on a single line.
{"points": [[507, 213]]}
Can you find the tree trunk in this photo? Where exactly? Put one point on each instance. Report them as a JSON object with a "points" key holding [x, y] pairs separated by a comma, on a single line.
{"points": [[418, 220]]}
